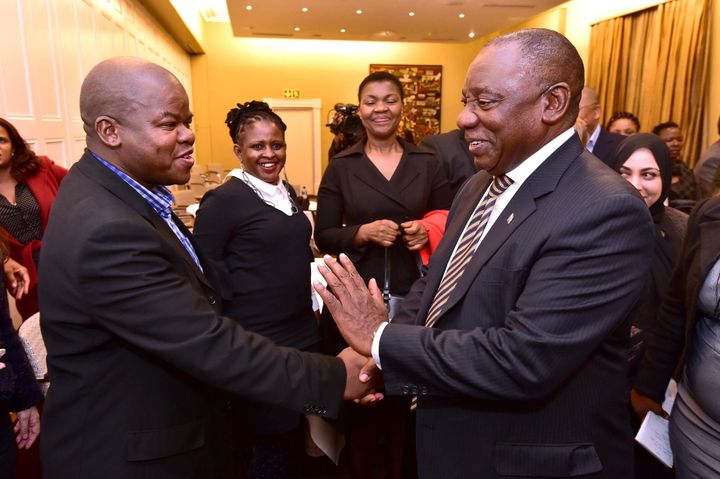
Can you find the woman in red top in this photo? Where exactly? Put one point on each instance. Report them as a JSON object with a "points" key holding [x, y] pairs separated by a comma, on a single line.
{"points": [[28, 185]]}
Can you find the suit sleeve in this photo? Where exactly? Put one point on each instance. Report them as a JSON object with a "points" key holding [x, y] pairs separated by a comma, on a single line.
{"points": [[579, 289], [331, 236], [136, 293]]}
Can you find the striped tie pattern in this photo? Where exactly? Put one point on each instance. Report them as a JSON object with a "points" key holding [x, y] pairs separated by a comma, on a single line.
{"points": [[466, 247]]}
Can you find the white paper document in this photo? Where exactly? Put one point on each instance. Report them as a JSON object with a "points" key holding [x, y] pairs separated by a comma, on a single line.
{"points": [[653, 436]]}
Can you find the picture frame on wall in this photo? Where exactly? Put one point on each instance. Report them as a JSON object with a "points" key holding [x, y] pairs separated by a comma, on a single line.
{"points": [[422, 89]]}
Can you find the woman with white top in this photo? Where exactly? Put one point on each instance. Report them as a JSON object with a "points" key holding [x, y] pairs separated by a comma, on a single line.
{"points": [[252, 229]]}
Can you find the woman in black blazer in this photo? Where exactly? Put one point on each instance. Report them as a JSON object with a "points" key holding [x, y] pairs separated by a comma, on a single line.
{"points": [[252, 229], [369, 201], [687, 336], [644, 160]]}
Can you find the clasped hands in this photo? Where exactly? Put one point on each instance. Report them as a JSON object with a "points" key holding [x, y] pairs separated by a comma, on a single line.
{"points": [[358, 311], [385, 232]]}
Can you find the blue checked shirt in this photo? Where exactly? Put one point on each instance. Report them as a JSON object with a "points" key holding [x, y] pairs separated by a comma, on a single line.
{"points": [[160, 200]]}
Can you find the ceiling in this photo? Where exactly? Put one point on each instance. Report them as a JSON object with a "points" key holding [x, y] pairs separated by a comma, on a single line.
{"points": [[384, 20]]}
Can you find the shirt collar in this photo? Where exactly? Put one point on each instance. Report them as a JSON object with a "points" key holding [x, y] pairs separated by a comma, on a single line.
{"points": [[267, 188], [593, 138], [158, 196], [522, 171]]}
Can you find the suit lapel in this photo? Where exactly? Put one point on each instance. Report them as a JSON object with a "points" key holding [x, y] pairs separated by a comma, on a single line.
{"points": [[366, 172], [113, 183], [461, 212], [523, 204]]}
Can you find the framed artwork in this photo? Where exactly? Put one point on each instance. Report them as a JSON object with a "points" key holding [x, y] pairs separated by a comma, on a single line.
{"points": [[422, 87]]}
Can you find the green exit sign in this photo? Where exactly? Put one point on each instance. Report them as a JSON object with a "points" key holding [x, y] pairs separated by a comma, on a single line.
{"points": [[291, 93]]}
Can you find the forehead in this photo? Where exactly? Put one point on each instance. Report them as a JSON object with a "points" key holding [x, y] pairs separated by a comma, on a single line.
{"points": [[496, 68], [670, 132], [262, 127], [640, 159], [159, 96], [379, 89]]}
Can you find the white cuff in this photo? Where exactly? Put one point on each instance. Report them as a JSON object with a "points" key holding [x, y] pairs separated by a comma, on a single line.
{"points": [[375, 348]]}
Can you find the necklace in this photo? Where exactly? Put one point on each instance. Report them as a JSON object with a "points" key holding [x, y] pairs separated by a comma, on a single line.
{"points": [[293, 207]]}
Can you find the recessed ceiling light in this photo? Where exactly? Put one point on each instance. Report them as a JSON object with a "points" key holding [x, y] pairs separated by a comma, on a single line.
{"points": [[304, 9], [342, 30], [462, 15], [412, 14], [248, 7], [471, 34], [297, 29], [359, 12]]}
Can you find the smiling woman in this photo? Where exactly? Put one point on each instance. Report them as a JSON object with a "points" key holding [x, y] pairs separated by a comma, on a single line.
{"points": [[369, 201], [251, 228]]}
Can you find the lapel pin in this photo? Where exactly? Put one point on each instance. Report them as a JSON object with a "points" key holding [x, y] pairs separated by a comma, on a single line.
{"points": [[510, 218]]}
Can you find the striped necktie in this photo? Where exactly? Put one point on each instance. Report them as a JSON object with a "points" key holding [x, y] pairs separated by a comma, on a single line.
{"points": [[466, 247]]}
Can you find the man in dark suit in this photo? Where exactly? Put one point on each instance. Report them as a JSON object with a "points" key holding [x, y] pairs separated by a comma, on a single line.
{"points": [[601, 142], [515, 343], [453, 152], [140, 360]]}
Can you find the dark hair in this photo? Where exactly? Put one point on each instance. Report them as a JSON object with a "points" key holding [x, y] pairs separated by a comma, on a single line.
{"points": [[623, 115], [549, 57], [249, 112], [664, 126], [24, 162], [381, 76]]}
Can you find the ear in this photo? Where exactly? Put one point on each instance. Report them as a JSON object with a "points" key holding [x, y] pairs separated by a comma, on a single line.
{"points": [[237, 151], [556, 101], [107, 131]]}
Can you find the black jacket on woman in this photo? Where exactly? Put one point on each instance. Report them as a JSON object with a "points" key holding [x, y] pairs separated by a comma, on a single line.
{"points": [[353, 192], [670, 227], [265, 258], [678, 313]]}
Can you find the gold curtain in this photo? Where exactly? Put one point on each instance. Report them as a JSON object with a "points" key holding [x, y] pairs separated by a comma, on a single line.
{"points": [[655, 63]]}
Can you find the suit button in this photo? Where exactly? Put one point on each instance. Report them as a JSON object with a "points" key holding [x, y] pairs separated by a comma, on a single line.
{"points": [[414, 390], [404, 390], [423, 390], [211, 299]]}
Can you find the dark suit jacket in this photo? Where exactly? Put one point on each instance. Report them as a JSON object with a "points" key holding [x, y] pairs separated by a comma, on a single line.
{"points": [[452, 151], [678, 313], [137, 353], [606, 145], [524, 373]]}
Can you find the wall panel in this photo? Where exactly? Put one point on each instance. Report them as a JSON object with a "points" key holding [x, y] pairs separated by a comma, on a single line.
{"points": [[49, 46]]}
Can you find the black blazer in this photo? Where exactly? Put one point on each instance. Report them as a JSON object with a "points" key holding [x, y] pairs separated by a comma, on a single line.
{"points": [[452, 151], [524, 373], [137, 352], [353, 192], [678, 312], [606, 145]]}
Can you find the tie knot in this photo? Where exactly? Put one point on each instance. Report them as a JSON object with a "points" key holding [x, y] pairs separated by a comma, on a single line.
{"points": [[500, 184]]}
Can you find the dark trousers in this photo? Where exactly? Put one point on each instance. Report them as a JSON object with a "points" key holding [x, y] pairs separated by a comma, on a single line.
{"points": [[7, 447]]}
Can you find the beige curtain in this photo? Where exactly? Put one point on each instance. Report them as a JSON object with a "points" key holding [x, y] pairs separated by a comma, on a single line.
{"points": [[655, 64]]}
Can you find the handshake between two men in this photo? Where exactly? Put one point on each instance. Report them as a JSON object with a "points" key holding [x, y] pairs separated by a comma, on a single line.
{"points": [[358, 311]]}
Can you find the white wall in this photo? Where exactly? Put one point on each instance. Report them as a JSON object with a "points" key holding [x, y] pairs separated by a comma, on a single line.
{"points": [[47, 48]]}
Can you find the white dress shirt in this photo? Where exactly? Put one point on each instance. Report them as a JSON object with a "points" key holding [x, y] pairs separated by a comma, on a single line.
{"points": [[518, 174]]}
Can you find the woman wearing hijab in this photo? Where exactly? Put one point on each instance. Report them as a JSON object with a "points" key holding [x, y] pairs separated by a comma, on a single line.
{"points": [[644, 160]]}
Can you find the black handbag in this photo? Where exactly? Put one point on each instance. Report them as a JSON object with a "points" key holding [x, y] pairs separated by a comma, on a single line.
{"points": [[392, 301]]}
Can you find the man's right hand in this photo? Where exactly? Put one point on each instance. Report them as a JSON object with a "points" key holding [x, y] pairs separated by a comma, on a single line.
{"points": [[362, 377], [641, 404]]}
